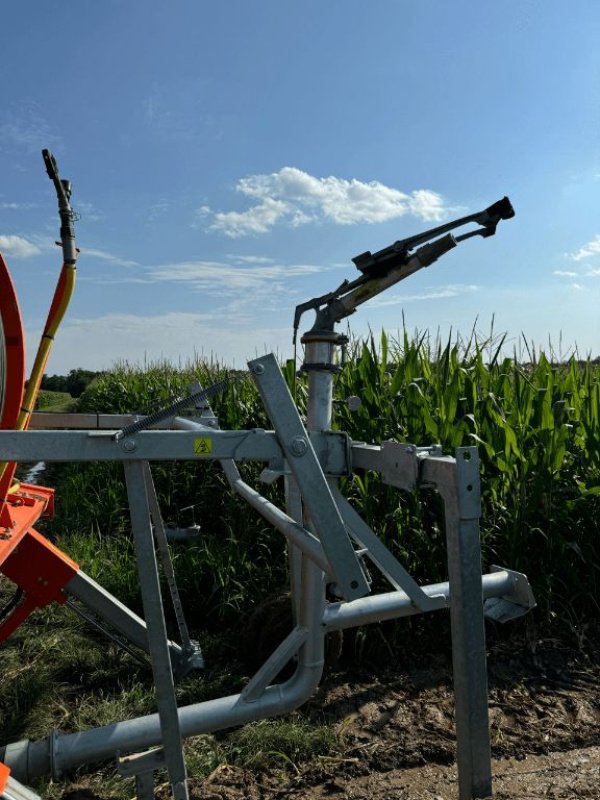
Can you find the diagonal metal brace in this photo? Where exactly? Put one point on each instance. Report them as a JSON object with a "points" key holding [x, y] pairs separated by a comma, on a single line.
{"points": [[383, 559], [305, 467]]}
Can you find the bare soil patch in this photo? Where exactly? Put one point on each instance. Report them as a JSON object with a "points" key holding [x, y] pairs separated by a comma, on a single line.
{"points": [[396, 733]]}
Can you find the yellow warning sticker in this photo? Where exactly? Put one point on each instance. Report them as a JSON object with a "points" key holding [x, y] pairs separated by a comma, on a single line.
{"points": [[202, 446]]}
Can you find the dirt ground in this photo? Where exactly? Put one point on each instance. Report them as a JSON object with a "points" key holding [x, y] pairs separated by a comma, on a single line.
{"points": [[396, 733]]}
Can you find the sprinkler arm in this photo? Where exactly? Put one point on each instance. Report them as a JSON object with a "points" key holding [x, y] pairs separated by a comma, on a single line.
{"points": [[394, 263], [66, 213]]}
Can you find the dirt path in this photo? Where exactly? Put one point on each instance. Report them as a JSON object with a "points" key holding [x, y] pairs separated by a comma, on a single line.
{"points": [[560, 776]]}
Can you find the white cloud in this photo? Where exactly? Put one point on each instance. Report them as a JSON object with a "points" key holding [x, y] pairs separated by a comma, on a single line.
{"points": [[297, 198], [18, 247], [592, 248], [16, 206], [88, 212], [103, 255], [577, 286], [258, 219], [158, 210], [453, 290], [26, 127], [219, 278], [250, 259], [565, 273]]}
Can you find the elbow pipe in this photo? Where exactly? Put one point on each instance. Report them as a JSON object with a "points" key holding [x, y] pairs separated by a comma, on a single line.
{"points": [[59, 752]]}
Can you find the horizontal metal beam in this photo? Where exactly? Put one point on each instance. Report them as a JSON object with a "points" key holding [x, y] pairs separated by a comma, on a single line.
{"points": [[252, 445]]}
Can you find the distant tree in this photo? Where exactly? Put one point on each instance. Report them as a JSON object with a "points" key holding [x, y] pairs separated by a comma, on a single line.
{"points": [[74, 383]]}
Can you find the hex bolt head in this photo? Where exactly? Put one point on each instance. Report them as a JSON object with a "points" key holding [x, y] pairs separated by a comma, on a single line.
{"points": [[129, 445], [298, 445]]}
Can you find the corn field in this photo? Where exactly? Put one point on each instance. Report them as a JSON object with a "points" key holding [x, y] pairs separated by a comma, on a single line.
{"points": [[536, 425]]}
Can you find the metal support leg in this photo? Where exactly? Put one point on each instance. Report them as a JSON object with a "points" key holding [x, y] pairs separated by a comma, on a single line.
{"points": [[157, 632], [293, 506], [191, 649], [458, 483]]}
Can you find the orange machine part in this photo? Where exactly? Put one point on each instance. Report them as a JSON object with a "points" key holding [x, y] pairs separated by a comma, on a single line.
{"points": [[28, 559], [12, 326], [4, 773], [15, 348]]}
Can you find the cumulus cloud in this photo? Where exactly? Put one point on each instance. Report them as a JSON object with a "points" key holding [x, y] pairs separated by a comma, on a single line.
{"points": [[296, 198], [565, 273], [592, 248], [18, 247]]}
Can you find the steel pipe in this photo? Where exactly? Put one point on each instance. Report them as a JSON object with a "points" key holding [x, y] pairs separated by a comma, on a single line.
{"points": [[296, 533], [391, 605]]}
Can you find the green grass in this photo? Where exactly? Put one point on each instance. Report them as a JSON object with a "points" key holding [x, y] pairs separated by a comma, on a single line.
{"points": [[54, 401]]}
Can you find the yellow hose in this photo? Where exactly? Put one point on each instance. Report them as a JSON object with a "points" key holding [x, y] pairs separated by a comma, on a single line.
{"points": [[60, 304]]}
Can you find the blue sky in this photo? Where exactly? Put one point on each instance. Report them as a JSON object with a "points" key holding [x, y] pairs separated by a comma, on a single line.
{"points": [[229, 159]]}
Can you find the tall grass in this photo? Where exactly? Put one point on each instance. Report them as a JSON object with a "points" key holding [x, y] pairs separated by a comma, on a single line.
{"points": [[536, 425]]}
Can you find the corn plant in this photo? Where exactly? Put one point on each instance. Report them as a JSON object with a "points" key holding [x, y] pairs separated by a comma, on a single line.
{"points": [[536, 425]]}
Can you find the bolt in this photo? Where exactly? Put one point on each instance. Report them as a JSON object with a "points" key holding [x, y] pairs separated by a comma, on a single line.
{"points": [[258, 369], [299, 445], [129, 445]]}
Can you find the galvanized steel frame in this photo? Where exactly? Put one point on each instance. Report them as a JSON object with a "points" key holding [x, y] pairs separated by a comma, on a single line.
{"points": [[322, 530]]}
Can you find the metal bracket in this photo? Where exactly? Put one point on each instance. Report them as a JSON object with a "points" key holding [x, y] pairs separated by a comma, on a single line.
{"points": [[397, 462], [511, 605], [142, 766]]}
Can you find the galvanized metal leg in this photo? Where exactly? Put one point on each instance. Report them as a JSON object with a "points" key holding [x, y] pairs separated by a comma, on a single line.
{"points": [[157, 632], [293, 506], [458, 483]]}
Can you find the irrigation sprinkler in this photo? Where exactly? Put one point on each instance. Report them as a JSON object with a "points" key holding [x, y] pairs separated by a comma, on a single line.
{"points": [[329, 544]]}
